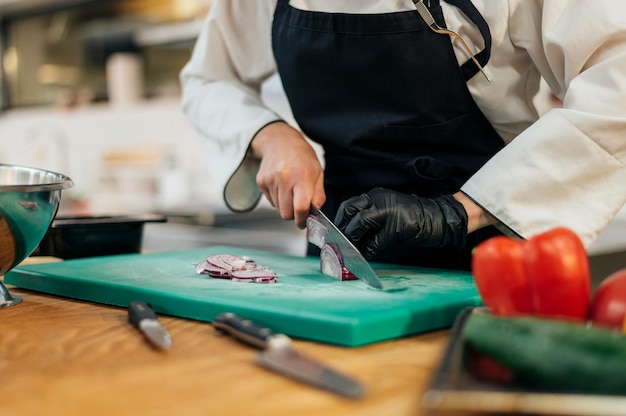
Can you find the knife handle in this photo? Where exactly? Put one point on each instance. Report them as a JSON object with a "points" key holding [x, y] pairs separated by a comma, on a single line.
{"points": [[249, 332], [138, 311]]}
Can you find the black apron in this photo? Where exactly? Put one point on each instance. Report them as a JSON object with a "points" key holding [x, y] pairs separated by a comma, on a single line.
{"points": [[385, 97]]}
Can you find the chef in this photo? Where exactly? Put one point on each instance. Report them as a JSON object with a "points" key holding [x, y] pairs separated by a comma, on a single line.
{"points": [[427, 115]]}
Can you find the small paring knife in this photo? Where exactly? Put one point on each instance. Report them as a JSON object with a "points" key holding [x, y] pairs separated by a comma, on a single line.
{"points": [[141, 315], [278, 355]]}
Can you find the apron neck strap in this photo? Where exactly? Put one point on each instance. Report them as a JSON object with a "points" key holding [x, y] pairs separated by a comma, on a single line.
{"points": [[469, 68]]}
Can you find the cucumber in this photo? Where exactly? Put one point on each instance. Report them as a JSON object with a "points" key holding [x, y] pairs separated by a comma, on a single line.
{"points": [[552, 355]]}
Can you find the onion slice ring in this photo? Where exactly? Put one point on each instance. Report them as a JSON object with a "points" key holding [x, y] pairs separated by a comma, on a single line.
{"points": [[315, 231], [331, 260], [331, 263]]}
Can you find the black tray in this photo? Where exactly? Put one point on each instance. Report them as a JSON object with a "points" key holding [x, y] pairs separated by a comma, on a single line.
{"points": [[452, 389], [76, 237]]}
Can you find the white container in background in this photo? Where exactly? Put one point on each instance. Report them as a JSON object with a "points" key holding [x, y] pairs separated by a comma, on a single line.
{"points": [[173, 190], [125, 79]]}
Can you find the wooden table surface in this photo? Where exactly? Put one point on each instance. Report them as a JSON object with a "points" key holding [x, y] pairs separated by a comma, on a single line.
{"points": [[60, 356]]}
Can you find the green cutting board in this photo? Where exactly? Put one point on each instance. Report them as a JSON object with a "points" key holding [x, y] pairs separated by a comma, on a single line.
{"points": [[303, 303]]}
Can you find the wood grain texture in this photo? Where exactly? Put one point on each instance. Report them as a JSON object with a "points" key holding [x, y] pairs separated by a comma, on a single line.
{"points": [[65, 357], [7, 246]]}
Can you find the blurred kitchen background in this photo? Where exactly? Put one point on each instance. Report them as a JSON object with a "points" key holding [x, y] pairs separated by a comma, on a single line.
{"points": [[90, 88]]}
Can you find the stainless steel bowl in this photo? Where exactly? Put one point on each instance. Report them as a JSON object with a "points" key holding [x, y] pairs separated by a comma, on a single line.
{"points": [[29, 200]]}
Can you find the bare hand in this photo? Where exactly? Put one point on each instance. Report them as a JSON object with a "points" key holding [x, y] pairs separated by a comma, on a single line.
{"points": [[290, 176]]}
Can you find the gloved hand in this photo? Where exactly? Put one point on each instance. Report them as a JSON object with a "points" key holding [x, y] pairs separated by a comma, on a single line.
{"points": [[380, 217]]}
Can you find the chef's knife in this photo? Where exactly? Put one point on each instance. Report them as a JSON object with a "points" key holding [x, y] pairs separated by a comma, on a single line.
{"points": [[353, 260], [279, 356], [141, 315]]}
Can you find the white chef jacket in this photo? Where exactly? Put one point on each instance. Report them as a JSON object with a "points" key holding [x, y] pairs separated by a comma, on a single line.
{"points": [[563, 168]]}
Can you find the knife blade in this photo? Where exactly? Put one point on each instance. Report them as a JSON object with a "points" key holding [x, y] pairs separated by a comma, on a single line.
{"points": [[141, 315], [278, 355], [353, 260]]}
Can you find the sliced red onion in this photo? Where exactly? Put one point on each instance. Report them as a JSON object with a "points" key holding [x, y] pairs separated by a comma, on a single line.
{"points": [[267, 279], [331, 263], [315, 231], [201, 267], [238, 269], [218, 273], [331, 260], [228, 261], [255, 273], [211, 270]]}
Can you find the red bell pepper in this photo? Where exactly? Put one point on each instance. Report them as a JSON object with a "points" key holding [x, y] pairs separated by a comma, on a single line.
{"points": [[608, 304], [546, 275]]}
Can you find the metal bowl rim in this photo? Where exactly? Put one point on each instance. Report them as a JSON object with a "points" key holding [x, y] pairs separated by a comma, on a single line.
{"points": [[62, 182]]}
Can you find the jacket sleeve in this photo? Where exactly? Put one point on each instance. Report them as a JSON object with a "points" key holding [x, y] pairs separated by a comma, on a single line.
{"points": [[568, 168], [221, 93]]}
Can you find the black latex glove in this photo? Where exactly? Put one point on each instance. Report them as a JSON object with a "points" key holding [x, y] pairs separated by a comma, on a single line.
{"points": [[380, 217]]}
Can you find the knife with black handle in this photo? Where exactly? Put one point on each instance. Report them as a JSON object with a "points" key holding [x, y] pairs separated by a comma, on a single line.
{"points": [[278, 355], [141, 315]]}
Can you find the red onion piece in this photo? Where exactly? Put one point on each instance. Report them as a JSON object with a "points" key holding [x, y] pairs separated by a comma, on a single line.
{"points": [[219, 274], [238, 269], [331, 263], [265, 279], [201, 267], [229, 262], [211, 270], [331, 260], [257, 272], [315, 231]]}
